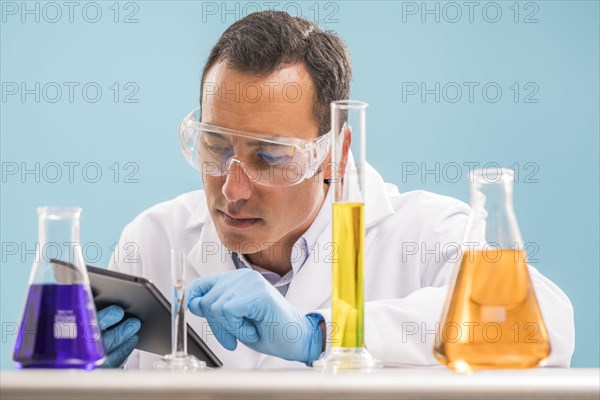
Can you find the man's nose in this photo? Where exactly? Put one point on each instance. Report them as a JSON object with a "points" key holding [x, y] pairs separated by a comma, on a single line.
{"points": [[237, 186]]}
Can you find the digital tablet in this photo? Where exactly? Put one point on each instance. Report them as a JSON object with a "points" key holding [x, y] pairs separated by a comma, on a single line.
{"points": [[141, 299]]}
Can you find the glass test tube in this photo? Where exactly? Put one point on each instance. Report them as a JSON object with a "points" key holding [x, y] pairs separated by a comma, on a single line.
{"points": [[179, 359], [178, 304]]}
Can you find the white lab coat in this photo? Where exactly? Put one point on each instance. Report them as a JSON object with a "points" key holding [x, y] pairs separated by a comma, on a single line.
{"points": [[410, 250]]}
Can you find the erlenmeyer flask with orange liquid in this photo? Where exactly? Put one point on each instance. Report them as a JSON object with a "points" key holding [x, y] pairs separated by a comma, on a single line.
{"points": [[491, 317]]}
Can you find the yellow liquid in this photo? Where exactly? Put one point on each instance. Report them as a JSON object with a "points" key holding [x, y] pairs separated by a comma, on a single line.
{"points": [[348, 290], [492, 319]]}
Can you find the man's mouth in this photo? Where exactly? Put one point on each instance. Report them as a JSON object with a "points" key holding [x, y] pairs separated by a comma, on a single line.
{"points": [[237, 221]]}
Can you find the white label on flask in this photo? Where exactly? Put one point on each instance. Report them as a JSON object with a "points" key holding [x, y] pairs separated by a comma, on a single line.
{"points": [[65, 325], [493, 314]]}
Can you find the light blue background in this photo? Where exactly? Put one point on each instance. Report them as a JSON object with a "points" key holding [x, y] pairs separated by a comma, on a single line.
{"points": [[163, 54]]}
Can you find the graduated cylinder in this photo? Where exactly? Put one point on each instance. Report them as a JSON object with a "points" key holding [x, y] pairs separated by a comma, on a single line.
{"points": [[348, 351], [348, 183]]}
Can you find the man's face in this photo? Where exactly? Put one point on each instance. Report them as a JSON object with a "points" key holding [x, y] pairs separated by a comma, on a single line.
{"points": [[251, 218]]}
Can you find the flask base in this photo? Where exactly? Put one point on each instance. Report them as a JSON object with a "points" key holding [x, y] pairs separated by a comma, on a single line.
{"points": [[180, 362], [466, 366], [53, 364], [347, 359]]}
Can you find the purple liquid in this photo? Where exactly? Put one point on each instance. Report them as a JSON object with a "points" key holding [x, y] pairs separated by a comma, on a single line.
{"points": [[59, 329]]}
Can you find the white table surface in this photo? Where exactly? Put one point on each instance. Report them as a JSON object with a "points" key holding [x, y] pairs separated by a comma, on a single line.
{"points": [[436, 383]]}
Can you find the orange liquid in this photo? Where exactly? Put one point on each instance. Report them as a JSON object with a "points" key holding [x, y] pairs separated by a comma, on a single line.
{"points": [[492, 319]]}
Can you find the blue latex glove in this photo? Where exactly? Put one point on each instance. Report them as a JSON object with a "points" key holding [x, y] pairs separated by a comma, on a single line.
{"points": [[120, 341], [242, 305]]}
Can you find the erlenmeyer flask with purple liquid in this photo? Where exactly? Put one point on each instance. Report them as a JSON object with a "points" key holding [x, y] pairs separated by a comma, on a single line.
{"points": [[59, 328]]}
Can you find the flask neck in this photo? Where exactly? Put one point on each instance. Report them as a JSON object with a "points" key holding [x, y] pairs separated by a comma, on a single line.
{"points": [[58, 230], [58, 257], [493, 220]]}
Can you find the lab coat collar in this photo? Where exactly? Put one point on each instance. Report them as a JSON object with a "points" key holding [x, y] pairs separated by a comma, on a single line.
{"points": [[199, 216], [377, 202], [209, 256]]}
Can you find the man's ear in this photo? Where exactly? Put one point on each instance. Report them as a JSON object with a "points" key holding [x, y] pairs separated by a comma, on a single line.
{"points": [[345, 149], [329, 169]]}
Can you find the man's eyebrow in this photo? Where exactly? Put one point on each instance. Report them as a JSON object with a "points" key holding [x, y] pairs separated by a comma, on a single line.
{"points": [[255, 143], [216, 135], [250, 142]]}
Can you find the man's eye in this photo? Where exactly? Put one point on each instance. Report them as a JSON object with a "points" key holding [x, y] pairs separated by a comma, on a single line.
{"points": [[216, 149], [273, 159]]}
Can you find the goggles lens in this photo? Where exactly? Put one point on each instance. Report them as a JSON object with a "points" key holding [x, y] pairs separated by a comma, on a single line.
{"points": [[273, 161]]}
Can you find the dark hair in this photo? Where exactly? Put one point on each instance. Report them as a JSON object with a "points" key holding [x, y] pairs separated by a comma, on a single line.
{"points": [[263, 41]]}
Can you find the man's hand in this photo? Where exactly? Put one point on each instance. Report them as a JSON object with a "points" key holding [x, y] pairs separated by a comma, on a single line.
{"points": [[242, 305], [120, 341]]}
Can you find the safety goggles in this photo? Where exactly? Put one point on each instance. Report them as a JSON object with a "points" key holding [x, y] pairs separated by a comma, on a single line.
{"points": [[267, 160]]}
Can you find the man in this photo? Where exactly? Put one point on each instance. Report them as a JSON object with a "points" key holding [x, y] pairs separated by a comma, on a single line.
{"points": [[260, 246]]}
